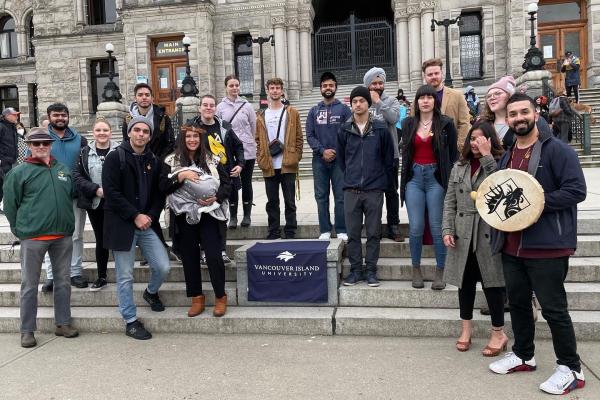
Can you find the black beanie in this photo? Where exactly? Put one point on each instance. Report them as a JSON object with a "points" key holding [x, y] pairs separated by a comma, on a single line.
{"points": [[361, 91]]}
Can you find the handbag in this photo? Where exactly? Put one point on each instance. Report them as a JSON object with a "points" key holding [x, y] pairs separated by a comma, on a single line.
{"points": [[276, 146]]}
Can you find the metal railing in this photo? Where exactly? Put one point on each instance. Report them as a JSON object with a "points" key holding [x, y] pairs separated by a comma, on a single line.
{"points": [[177, 119]]}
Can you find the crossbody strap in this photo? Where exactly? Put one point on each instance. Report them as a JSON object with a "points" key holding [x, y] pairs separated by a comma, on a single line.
{"points": [[236, 112], [280, 119]]}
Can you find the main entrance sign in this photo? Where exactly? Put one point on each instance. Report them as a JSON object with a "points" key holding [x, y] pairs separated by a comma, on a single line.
{"points": [[351, 49]]}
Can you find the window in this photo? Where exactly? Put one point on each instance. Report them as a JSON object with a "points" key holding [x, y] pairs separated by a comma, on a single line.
{"points": [[9, 97], [99, 78], [8, 38], [565, 11], [30, 37], [244, 64], [102, 12], [471, 54]]}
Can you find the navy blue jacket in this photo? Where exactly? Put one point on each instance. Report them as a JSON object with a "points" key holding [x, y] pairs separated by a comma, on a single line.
{"points": [[322, 126], [366, 160], [556, 167]]}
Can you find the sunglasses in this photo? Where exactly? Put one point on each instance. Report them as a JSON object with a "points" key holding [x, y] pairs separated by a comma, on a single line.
{"points": [[38, 144]]}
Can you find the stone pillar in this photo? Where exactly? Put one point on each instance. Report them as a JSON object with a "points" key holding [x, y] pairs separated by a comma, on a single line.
{"points": [[189, 107], [414, 36], [293, 59], [427, 38], [80, 12], [305, 57], [402, 53], [113, 112], [280, 47], [22, 45], [24, 105]]}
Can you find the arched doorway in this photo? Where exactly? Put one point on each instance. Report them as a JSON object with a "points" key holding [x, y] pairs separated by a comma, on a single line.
{"points": [[562, 26], [351, 36]]}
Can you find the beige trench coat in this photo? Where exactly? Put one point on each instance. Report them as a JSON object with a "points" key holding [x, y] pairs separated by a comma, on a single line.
{"points": [[463, 222]]}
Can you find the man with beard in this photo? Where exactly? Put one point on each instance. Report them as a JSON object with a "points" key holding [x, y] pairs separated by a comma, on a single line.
{"points": [[451, 102], [537, 258], [322, 124], [66, 148], [387, 109], [279, 145]]}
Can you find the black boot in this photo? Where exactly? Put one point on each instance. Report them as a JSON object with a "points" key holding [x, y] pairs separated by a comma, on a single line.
{"points": [[247, 211], [232, 216]]}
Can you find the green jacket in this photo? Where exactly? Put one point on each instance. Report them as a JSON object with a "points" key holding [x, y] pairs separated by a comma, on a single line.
{"points": [[38, 199]]}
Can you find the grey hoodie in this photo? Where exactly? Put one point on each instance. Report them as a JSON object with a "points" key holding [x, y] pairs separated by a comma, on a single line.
{"points": [[388, 110]]}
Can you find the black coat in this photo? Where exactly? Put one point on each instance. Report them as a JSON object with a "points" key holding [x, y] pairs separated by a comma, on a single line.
{"points": [[120, 191], [162, 142], [8, 143], [444, 149]]}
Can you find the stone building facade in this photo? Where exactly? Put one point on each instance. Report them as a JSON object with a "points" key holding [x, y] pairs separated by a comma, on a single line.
{"points": [[55, 50]]}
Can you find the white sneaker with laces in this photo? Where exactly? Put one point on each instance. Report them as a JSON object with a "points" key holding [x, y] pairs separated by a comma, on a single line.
{"points": [[325, 236], [563, 380], [343, 236], [511, 363]]}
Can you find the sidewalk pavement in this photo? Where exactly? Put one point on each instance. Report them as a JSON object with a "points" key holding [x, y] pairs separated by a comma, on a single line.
{"points": [[113, 366]]}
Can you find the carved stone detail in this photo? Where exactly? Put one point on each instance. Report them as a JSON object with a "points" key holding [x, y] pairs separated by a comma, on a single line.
{"points": [[278, 20]]}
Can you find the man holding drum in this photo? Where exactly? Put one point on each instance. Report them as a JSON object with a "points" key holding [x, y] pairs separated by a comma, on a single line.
{"points": [[537, 258]]}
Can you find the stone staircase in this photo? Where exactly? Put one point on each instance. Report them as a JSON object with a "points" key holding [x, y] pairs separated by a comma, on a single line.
{"points": [[591, 97], [393, 309]]}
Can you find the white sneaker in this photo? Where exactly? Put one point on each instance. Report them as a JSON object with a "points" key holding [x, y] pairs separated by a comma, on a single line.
{"points": [[511, 363], [563, 380], [343, 236], [325, 236]]}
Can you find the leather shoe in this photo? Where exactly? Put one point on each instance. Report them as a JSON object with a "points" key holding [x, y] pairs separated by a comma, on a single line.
{"points": [[197, 306], [28, 340], [79, 282], [48, 286], [220, 306], [394, 233], [66, 330]]}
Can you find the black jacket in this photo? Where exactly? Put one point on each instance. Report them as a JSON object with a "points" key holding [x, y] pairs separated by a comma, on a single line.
{"points": [[444, 149], [8, 143], [367, 160], [162, 142], [233, 145], [120, 184]]}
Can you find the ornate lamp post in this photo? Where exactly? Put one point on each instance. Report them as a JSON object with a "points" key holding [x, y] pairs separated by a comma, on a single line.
{"points": [[534, 58], [446, 23], [264, 103], [111, 90], [188, 86]]}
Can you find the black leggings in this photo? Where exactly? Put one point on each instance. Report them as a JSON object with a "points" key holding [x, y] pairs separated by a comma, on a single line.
{"points": [[466, 295], [208, 233], [97, 221], [246, 178]]}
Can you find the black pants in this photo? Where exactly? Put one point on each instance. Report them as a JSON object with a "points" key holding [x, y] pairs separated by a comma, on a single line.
{"points": [[97, 221], [4, 168], [207, 232], [466, 294], [288, 188], [546, 278], [392, 199], [573, 89], [357, 205], [246, 177]]}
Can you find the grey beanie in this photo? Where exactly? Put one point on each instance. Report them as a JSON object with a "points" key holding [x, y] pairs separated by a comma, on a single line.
{"points": [[139, 119], [372, 74]]}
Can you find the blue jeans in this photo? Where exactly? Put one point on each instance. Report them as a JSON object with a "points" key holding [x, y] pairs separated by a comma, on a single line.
{"points": [[323, 174], [423, 192], [155, 253]]}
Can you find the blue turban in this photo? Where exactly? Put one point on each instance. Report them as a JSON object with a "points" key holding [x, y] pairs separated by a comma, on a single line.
{"points": [[372, 74]]}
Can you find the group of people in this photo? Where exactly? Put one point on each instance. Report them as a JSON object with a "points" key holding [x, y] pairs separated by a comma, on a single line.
{"points": [[358, 153]]}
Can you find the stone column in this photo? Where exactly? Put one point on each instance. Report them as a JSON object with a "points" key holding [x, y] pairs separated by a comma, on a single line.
{"points": [[280, 47], [80, 12], [414, 36], [189, 107], [427, 38], [306, 64], [113, 112], [22, 45], [293, 58], [402, 53]]}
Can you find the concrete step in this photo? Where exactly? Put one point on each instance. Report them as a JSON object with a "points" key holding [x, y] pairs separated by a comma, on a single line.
{"points": [[308, 321], [581, 269], [427, 322], [581, 296], [171, 293]]}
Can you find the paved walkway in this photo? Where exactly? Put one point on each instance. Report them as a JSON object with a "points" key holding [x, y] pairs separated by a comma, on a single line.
{"points": [[96, 366]]}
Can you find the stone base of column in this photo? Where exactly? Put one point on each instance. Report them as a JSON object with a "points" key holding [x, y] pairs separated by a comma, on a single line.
{"points": [[189, 107], [114, 113], [533, 80]]}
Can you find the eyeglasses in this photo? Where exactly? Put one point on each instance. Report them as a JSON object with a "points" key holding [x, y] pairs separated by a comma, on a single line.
{"points": [[494, 95], [38, 144]]}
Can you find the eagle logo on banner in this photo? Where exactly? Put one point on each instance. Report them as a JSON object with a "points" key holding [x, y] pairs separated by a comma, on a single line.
{"points": [[285, 256]]}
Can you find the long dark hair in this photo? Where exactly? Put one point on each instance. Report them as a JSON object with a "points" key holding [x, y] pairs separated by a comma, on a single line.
{"points": [[436, 124], [489, 133], [182, 152]]}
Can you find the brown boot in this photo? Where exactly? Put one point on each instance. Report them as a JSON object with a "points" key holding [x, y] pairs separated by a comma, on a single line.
{"points": [[220, 306], [197, 306]]}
